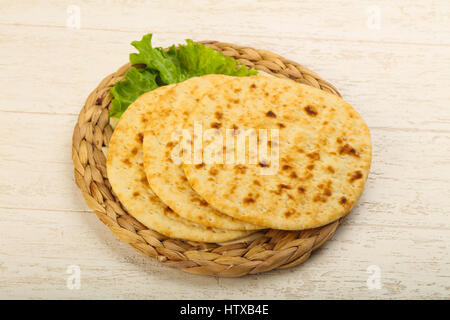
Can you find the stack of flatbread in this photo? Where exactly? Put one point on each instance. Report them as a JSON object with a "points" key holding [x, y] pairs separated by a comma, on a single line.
{"points": [[218, 158]]}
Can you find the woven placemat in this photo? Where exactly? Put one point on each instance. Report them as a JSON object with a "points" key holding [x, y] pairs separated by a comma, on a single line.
{"points": [[273, 249]]}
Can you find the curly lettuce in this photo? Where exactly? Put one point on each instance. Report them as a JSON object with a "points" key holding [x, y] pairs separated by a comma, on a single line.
{"points": [[163, 67]]}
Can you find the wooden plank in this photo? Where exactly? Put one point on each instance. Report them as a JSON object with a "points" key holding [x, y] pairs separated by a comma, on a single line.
{"points": [[381, 81], [405, 21], [45, 247], [395, 76]]}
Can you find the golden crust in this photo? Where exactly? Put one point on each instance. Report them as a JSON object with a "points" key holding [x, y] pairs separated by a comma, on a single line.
{"points": [[127, 177], [324, 150], [166, 178]]}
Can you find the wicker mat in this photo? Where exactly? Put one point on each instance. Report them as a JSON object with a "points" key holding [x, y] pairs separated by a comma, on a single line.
{"points": [[271, 250]]}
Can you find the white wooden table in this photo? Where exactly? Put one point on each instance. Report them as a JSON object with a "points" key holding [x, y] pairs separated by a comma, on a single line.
{"points": [[390, 59]]}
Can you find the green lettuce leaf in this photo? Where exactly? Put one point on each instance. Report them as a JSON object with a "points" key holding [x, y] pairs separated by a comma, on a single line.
{"points": [[137, 82], [157, 59], [163, 67]]}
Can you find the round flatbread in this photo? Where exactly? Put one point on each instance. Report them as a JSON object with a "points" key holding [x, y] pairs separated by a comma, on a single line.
{"points": [[318, 150], [127, 177], [167, 178]]}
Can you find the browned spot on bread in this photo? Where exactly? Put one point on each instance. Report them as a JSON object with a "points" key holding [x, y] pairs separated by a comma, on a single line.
{"points": [[237, 90], [339, 140], [275, 98], [248, 200], [287, 159], [343, 200], [253, 86], [134, 151], [200, 165], [310, 110], [356, 175], [330, 169], [216, 125], [319, 198], [310, 167], [144, 180], [301, 189], [263, 164], [347, 149], [256, 182], [289, 213], [213, 171], [170, 144], [284, 186], [127, 162], [155, 199], [281, 125], [144, 119], [314, 156], [286, 167], [140, 137], [136, 194], [201, 202], [293, 175], [218, 115], [299, 150], [236, 101], [327, 192], [271, 114], [321, 186], [240, 168], [167, 209]]}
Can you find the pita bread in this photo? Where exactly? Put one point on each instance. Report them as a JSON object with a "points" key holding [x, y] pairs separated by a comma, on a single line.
{"points": [[127, 177], [324, 150], [167, 179]]}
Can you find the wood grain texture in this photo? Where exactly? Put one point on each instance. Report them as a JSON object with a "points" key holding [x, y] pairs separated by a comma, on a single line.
{"points": [[396, 77]]}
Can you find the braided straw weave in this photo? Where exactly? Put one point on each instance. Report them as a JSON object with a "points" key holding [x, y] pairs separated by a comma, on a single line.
{"points": [[271, 250]]}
